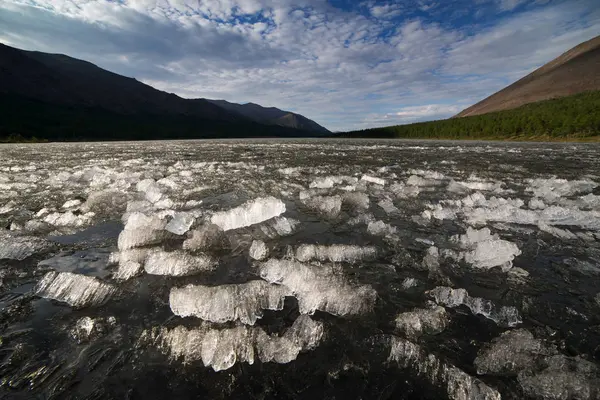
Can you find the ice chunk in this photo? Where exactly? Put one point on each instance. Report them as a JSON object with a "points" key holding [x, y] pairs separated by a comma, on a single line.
{"points": [[552, 189], [357, 200], [244, 302], [388, 206], [372, 179], [380, 228], [20, 247], [330, 181], [69, 219], [71, 204], [86, 328], [510, 353], [563, 378], [335, 253], [409, 283], [403, 191], [177, 263], [142, 230], [279, 226], [328, 206], [504, 316], [536, 204], [319, 288], [207, 238], [221, 349], [130, 263], [258, 250], [422, 321], [457, 383], [74, 289], [250, 213], [484, 250], [180, 223]]}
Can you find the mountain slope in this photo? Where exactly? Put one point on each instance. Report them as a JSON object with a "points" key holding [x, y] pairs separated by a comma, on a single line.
{"points": [[576, 71], [271, 116], [57, 97]]}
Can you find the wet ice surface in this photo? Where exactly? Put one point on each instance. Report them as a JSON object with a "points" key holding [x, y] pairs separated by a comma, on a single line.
{"points": [[297, 269]]}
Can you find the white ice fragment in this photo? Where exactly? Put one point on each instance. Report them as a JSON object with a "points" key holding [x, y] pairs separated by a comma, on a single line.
{"points": [[409, 283], [422, 321], [180, 223], [335, 253], [142, 230], [536, 204], [206, 238], [74, 289], [388, 206], [505, 316], [130, 263], [252, 212], [177, 263], [20, 247], [402, 191], [258, 250], [552, 189], [279, 226], [356, 200], [328, 206], [330, 181], [455, 382], [244, 302], [484, 250], [71, 204], [68, 219], [222, 348], [372, 179], [319, 287], [380, 228]]}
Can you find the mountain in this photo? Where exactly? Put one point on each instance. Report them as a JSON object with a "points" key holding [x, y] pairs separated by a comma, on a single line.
{"points": [[576, 71], [271, 116], [56, 97]]}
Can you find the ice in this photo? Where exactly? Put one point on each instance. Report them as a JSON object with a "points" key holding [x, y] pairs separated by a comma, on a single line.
{"points": [[484, 250], [510, 353], [552, 189], [403, 191], [422, 321], [71, 204], [356, 200], [20, 247], [504, 316], [69, 219], [252, 212], [408, 283], [258, 250], [206, 238], [180, 223], [335, 253], [319, 288], [536, 204], [328, 206], [372, 179], [458, 384], [562, 378], [279, 226], [74, 289], [222, 348], [142, 230], [244, 302], [130, 262], [177, 263], [380, 228], [87, 328], [388, 206], [330, 181]]}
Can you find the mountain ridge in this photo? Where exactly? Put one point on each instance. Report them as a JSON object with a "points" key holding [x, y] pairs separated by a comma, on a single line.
{"points": [[77, 89], [573, 72]]}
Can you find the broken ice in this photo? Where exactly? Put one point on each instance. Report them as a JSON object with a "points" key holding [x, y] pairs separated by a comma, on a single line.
{"points": [[253, 212], [74, 289]]}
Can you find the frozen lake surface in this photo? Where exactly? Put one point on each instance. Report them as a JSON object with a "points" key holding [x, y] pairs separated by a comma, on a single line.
{"points": [[300, 269]]}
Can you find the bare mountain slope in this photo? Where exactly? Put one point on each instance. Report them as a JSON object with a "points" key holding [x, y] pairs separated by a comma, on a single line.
{"points": [[576, 71]]}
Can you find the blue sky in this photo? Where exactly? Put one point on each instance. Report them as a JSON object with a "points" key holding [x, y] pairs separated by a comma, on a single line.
{"points": [[346, 64]]}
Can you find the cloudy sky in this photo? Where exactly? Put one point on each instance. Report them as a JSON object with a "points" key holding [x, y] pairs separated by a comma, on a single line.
{"points": [[346, 64]]}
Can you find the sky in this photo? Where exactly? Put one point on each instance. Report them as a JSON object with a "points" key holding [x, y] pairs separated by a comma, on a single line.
{"points": [[345, 64]]}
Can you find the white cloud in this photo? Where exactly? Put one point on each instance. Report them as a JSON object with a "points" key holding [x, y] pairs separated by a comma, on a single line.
{"points": [[429, 110]]}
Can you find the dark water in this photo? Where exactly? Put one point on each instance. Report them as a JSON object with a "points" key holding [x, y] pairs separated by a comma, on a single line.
{"points": [[541, 200]]}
